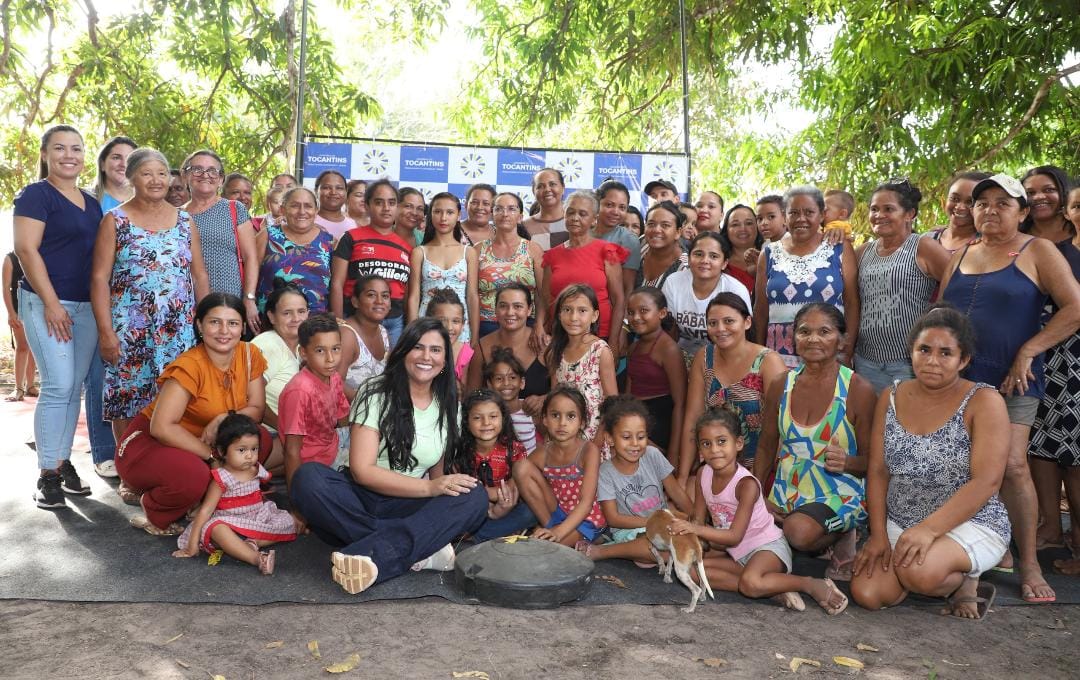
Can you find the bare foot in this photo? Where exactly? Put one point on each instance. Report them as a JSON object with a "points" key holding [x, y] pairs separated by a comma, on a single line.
{"points": [[826, 594], [972, 600], [1068, 567], [962, 603], [1033, 587]]}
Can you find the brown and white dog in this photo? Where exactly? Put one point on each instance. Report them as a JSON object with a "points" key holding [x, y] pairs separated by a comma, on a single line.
{"points": [[685, 551]]}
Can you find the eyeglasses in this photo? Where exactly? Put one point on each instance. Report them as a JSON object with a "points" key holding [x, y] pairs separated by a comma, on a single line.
{"points": [[198, 171], [500, 210]]}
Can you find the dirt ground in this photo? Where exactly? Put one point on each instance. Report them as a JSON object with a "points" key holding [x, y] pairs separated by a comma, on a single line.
{"points": [[435, 639]]}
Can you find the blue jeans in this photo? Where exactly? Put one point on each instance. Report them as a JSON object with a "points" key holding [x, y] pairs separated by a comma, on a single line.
{"points": [[519, 518], [882, 374], [393, 328], [102, 443], [63, 367], [394, 532]]}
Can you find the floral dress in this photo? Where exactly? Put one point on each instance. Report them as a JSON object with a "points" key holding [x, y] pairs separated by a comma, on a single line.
{"points": [[792, 281], [455, 278], [495, 272], [744, 397], [153, 306], [244, 510], [584, 374], [305, 266]]}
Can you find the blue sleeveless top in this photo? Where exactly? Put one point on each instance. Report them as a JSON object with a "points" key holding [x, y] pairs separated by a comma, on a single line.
{"points": [[1005, 307]]}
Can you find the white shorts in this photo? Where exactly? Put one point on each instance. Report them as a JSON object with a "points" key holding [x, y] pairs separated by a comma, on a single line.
{"points": [[984, 548]]}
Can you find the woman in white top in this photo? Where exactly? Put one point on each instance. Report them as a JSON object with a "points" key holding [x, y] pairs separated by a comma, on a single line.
{"points": [[688, 292], [286, 309]]}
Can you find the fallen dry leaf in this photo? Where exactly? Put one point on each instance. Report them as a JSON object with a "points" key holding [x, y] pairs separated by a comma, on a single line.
{"points": [[848, 661], [712, 661], [779, 655], [1056, 625], [313, 647], [214, 558], [471, 674], [797, 661], [181, 664], [345, 666], [515, 538], [613, 580], [215, 677], [174, 638], [866, 648], [953, 663], [275, 644]]}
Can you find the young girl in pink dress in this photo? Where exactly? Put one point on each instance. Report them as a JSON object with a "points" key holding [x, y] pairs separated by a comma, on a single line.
{"points": [[233, 515], [577, 356]]}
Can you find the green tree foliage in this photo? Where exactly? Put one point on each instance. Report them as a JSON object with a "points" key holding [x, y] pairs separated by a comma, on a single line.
{"points": [[175, 74], [915, 87]]}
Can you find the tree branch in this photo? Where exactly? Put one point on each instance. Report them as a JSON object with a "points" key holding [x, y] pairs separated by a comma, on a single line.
{"points": [[1036, 103]]}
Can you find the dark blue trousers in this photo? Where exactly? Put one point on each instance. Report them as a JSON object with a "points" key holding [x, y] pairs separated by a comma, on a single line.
{"points": [[394, 532]]}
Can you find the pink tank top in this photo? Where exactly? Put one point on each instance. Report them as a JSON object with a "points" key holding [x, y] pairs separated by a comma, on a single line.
{"points": [[722, 507]]}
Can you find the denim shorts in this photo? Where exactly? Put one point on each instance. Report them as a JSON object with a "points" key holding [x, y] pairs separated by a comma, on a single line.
{"points": [[587, 529], [882, 374], [1022, 409], [984, 548]]}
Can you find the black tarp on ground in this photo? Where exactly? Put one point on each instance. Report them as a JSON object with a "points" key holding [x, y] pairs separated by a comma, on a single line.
{"points": [[89, 553]]}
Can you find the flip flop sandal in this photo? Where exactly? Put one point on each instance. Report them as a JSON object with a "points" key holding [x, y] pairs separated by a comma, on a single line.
{"points": [[1032, 599], [839, 609], [1067, 567], [984, 599], [128, 495], [141, 522], [266, 562], [1047, 545], [17, 395]]}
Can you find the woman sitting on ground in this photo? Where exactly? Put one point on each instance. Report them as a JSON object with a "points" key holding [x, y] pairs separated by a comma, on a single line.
{"points": [[381, 513], [936, 463], [816, 436], [168, 447]]}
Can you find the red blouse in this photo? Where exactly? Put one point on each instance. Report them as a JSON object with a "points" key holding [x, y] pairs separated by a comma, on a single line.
{"points": [[584, 264]]}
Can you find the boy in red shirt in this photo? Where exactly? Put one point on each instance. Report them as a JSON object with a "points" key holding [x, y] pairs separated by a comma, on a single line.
{"points": [[313, 405]]}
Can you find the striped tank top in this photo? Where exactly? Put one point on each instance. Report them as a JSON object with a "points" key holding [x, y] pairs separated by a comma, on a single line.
{"points": [[894, 294]]}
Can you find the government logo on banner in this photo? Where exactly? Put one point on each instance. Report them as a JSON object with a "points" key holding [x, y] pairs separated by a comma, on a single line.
{"points": [[434, 168]]}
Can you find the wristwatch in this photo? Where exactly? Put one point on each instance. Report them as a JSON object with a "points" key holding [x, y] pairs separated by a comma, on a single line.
{"points": [[249, 296]]}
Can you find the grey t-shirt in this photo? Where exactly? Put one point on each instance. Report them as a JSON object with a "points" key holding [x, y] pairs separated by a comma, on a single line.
{"points": [[641, 493]]}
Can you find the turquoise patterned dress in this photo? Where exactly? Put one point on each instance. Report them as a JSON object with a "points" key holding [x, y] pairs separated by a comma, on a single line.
{"points": [[801, 477], [153, 308]]}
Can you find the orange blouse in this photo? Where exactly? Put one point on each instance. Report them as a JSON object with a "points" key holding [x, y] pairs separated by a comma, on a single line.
{"points": [[213, 391]]}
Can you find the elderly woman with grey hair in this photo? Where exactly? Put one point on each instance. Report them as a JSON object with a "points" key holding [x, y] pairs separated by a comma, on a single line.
{"points": [[800, 268], [584, 259], [147, 275]]}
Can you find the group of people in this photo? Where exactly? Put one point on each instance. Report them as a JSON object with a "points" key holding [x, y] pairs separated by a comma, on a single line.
{"points": [[417, 373]]}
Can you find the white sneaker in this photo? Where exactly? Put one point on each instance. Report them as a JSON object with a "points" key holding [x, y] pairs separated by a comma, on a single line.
{"points": [[440, 561], [106, 468], [354, 573]]}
